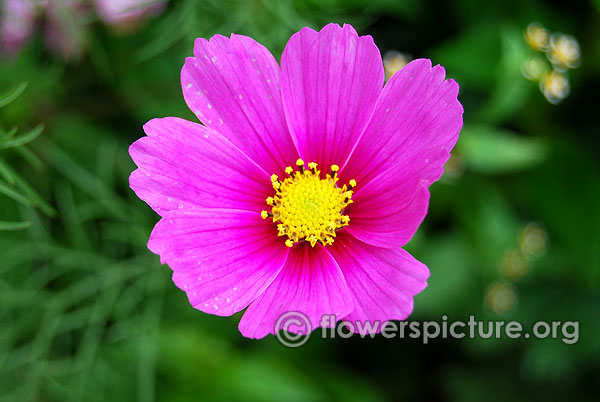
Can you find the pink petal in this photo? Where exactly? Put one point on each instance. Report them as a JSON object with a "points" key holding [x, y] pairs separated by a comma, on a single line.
{"points": [[232, 85], [330, 82], [388, 211], [186, 165], [382, 281], [403, 149], [223, 259], [311, 283]]}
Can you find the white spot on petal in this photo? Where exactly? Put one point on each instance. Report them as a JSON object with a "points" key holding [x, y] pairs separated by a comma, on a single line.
{"points": [[180, 206], [169, 199], [209, 106], [188, 86], [216, 307]]}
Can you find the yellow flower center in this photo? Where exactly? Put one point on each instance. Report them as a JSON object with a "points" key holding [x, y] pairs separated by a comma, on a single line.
{"points": [[308, 208], [537, 37]]}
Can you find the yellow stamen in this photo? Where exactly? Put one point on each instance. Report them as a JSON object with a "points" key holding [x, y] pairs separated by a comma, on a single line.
{"points": [[564, 51], [537, 37], [307, 207]]}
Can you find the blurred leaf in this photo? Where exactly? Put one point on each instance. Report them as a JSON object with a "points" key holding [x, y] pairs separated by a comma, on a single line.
{"points": [[13, 178], [451, 268], [7, 136], [168, 31], [12, 94], [4, 225], [6, 174], [9, 192], [489, 150], [472, 57], [30, 157], [22, 139], [512, 89]]}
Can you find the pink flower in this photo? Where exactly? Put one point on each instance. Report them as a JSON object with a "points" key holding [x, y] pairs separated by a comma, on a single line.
{"points": [[124, 13], [331, 242], [17, 24], [65, 26], [65, 31]]}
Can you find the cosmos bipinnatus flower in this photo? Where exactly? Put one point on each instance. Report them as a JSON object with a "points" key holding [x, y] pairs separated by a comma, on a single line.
{"points": [[126, 14], [303, 182], [17, 23]]}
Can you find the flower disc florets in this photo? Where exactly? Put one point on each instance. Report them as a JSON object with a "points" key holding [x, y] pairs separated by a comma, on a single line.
{"points": [[307, 207]]}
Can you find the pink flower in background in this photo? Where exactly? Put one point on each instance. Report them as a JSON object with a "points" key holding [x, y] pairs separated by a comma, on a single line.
{"points": [[66, 25], [303, 183], [123, 13], [66, 28], [17, 23]]}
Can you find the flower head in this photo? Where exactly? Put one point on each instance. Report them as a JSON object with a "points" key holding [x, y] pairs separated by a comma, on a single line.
{"points": [[564, 51], [127, 13], [393, 61], [65, 25], [65, 30], [17, 22], [537, 36], [555, 86], [304, 181]]}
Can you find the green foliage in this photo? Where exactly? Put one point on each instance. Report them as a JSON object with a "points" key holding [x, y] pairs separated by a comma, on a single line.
{"points": [[13, 185], [488, 150], [88, 313]]}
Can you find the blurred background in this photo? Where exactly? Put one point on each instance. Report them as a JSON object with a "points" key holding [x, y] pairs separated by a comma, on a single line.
{"points": [[87, 313]]}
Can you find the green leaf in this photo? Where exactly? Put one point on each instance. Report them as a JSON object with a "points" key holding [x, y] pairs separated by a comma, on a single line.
{"points": [[5, 137], [9, 192], [168, 31], [472, 57], [35, 199], [512, 90], [6, 225], [23, 139], [29, 157], [489, 150], [12, 94], [7, 173]]}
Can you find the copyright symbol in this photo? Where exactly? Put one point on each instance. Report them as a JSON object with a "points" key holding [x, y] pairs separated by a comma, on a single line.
{"points": [[292, 329]]}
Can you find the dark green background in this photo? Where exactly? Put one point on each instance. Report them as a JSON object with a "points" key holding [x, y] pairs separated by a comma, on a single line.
{"points": [[88, 313]]}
